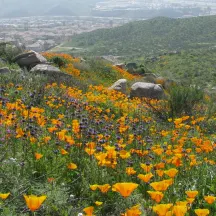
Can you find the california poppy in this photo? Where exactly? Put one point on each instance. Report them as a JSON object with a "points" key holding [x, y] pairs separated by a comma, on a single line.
{"points": [[146, 177], [171, 172], [72, 166], [34, 202], [104, 188], [162, 209], [160, 186], [179, 210], [202, 212], [4, 195], [98, 203], [89, 210], [38, 156], [130, 171], [191, 194], [133, 211], [209, 199], [156, 195], [125, 188]]}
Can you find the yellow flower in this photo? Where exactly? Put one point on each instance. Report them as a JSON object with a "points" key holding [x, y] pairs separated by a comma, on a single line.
{"points": [[4, 196], [125, 188], [190, 200], [209, 199], [191, 194], [124, 154], [146, 177], [94, 187], [130, 171], [133, 211], [34, 202], [171, 172], [104, 188], [179, 210], [63, 152], [162, 209], [202, 212], [146, 168], [156, 195], [38, 156], [98, 203], [161, 185], [89, 210], [72, 166]]}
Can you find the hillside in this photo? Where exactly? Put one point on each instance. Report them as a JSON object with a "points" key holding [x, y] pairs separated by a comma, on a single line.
{"points": [[70, 146], [148, 37], [191, 67]]}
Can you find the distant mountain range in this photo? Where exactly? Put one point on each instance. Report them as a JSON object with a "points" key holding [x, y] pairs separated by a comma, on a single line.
{"points": [[149, 37], [17, 8]]}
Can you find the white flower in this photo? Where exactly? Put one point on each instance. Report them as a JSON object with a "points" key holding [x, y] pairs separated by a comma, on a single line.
{"points": [[80, 214]]}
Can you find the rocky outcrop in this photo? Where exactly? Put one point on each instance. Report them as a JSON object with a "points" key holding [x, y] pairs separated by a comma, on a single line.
{"points": [[45, 69], [120, 85], [4, 70], [29, 59], [148, 90]]}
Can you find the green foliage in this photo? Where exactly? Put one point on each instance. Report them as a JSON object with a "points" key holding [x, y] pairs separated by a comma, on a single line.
{"points": [[182, 100], [59, 61], [149, 37], [8, 52], [189, 67]]}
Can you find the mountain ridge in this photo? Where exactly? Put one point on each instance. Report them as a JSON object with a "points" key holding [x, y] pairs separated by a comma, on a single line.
{"points": [[150, 37]]}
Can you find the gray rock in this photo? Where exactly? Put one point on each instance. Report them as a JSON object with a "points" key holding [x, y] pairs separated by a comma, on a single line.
{"points": [[121, 65], [148, 90], [4, 70], [120, 85], [29, 59], [45, 69]]}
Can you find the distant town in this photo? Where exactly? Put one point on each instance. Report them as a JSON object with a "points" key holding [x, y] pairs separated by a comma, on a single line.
{"points": [[206, 6], [43, 33]]}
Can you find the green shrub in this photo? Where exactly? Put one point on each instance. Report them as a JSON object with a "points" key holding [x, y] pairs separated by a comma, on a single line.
{"points": [[59, 61], [9, 51], [182, 100]]}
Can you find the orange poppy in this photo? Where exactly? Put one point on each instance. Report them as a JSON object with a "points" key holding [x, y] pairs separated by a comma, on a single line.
{"points": [[72, 166], [202, 212], [160, 186], [89, 210], [38, 156], [34, 202], [162, 209], [171, 172], [104, 188], [179, 210], [130, 171], [191, 194], [156, 195], [146, 177], [209, 199], [124, 188], [146, 168], [133, 211]]}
